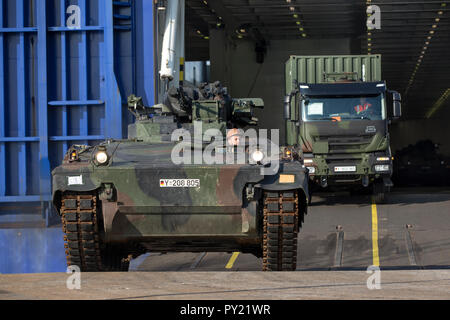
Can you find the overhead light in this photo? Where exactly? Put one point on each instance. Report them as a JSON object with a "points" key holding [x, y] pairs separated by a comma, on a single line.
{"points": [[298, 22], [431, 31], [440, 12], [429, 37], [304, 35], [295, 16], [427, 43], [292, 8], [438, 103], [434, 26], [437, 19]]}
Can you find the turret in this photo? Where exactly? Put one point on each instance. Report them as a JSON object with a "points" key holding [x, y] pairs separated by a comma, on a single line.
{"points": [[209, 104]]}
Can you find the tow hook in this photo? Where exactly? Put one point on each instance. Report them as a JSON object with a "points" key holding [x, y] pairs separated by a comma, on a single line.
{"points": [[323, 182]]}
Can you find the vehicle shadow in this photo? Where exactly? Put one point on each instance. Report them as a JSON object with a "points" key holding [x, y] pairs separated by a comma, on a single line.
{"points": [[398, 196]]}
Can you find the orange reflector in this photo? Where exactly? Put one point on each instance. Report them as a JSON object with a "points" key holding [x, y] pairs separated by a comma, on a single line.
{"points": [[287, 178], [337, 118]]}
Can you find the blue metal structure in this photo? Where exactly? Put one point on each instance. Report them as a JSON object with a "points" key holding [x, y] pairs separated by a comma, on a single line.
{"points": [[62, 85], [66, 68]]}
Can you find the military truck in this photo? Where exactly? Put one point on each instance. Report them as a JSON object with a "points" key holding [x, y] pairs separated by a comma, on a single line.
{"points": [[337, 112], [121, 198]]}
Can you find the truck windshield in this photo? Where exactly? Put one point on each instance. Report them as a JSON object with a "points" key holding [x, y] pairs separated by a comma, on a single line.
{"points": [[338, 108]]}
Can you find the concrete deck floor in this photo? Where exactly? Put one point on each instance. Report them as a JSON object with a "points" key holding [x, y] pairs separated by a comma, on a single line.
{"points": [[401, 284]]}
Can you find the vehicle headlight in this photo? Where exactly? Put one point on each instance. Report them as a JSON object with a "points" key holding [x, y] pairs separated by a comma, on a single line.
{"points": [[257, 155], [287, 154], [382, 167], [101, 157], [383, 159]]}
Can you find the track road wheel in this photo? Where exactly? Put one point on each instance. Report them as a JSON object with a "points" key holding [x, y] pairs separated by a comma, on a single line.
{"points": [[83, 244], [281, 225]]}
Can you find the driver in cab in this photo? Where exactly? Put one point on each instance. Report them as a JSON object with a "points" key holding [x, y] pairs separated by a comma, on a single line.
{"points": [[362, 106]]}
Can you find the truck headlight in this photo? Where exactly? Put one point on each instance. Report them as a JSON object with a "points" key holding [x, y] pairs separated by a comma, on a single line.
{"points": [[101, 157], [382, 167], [383, 159], [257, 156]]}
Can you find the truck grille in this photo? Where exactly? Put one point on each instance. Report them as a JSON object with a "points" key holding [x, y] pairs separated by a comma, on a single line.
{"points": [[345, 144]]}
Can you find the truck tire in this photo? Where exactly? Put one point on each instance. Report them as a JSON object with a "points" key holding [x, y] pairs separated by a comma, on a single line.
{"points": [[379, 192]]}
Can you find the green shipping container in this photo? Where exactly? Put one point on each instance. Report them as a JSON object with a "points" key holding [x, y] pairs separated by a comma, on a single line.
{"points": [[325, 69]]}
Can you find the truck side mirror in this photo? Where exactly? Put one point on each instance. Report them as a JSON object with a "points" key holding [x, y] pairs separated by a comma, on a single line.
{"points": [[287, 107], [397, 105]]}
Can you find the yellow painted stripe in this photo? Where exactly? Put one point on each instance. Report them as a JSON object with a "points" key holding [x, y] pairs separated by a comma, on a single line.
{"points": [[232, 260], [181, 70], [375, 252]]}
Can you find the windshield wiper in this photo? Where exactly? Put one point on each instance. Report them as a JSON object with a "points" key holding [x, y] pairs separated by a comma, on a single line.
{"points": [[358, 118]]}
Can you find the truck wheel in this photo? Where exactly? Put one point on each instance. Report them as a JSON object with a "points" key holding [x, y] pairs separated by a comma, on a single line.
{"points": [[379, 192], [83, 244], [281, 225]]}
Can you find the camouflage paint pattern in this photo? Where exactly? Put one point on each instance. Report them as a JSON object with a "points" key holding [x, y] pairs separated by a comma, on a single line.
{"points": [[346, 143]]}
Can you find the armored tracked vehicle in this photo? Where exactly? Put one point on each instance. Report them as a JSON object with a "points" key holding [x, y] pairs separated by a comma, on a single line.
{"points": [[122, 198]]}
